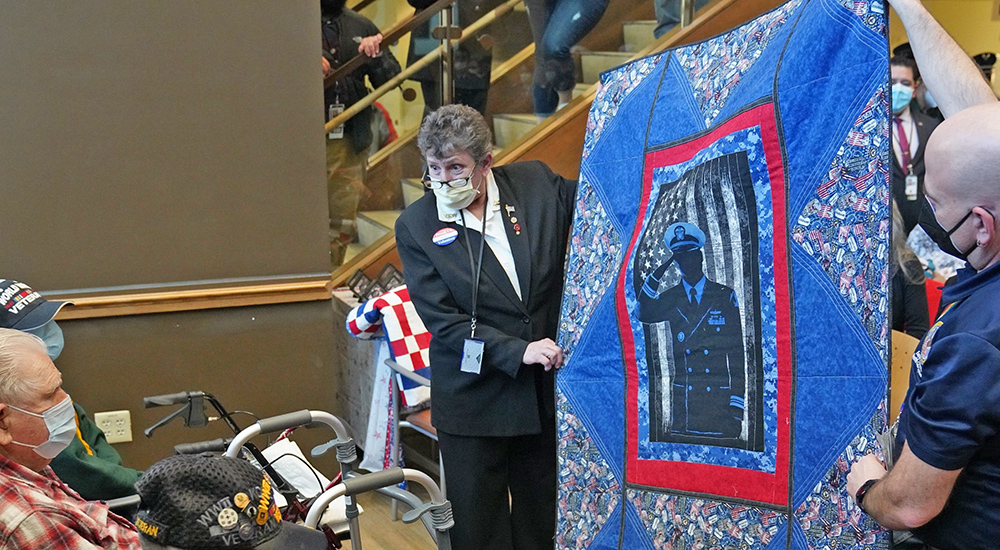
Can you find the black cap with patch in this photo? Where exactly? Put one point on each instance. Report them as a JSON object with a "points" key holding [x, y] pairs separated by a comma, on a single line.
{"points": [[215, 502]]}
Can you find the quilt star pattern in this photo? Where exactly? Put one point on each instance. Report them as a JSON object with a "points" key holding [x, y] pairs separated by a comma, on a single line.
{"points": [[724, 317]]}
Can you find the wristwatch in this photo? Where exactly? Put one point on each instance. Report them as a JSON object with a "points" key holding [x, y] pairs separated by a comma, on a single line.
{"points": [[859, 497]]}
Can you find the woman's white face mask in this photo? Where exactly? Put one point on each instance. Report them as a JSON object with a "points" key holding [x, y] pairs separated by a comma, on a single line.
{"points": [[457, 193]]}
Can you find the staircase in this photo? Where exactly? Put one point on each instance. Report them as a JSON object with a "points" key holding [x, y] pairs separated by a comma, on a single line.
{"points": [[508, 128]]}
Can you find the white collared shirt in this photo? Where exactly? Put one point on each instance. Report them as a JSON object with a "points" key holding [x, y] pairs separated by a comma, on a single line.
{"points": [[496, 235], [910, 128]]}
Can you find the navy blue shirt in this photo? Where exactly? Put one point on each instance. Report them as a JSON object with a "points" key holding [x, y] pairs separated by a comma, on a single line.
{"points": [[951, 415]]}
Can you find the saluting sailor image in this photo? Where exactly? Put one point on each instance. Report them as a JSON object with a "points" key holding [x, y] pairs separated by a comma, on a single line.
{"points": [[707, 379]]}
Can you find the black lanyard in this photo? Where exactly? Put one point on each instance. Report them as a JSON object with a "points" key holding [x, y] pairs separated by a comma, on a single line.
{"points": [[477, 268]]}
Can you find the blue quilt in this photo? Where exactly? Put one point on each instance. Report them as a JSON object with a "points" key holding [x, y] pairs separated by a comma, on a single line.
{"points": [[725, 309]]}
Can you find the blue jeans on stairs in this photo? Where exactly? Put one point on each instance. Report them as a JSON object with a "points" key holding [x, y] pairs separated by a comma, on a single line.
{"points": [[556, 26]]}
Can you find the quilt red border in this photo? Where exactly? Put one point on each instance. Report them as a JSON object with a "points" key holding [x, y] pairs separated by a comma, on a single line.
{"points": [[721, 481]]}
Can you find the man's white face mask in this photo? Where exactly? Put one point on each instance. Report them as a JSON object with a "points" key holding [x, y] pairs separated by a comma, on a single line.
{"points": [[60, 419]]}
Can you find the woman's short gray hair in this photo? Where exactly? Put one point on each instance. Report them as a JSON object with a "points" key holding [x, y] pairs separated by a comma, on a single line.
{"points": [[15, 385], [454, 129]]}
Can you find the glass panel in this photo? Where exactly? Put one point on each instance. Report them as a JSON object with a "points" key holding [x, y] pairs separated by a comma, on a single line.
{"points": [[494, 69]]}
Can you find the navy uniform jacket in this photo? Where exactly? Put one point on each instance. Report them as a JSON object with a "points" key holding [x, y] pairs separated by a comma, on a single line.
{"points": [[506, 398], [709, 378], [951, 414]]}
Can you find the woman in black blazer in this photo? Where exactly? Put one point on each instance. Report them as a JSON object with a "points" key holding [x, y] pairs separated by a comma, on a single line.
{"points": [[492, 388]]}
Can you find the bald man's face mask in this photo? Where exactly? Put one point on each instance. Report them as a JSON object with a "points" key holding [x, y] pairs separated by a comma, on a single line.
{"points": [[940, 235]]}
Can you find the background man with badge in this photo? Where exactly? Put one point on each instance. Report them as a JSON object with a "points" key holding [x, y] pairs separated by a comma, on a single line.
{"points": [[346, 34], [910, 132]]}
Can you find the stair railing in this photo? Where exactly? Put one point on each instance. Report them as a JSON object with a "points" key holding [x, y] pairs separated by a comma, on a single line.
{"points": [[426, 60], [362, 5], [687, 12], [388, 37]]}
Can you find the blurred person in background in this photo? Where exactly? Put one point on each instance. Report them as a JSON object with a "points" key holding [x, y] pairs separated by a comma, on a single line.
{"points": [[909, 292], [345, 35], [472, 60], [556, 26]]}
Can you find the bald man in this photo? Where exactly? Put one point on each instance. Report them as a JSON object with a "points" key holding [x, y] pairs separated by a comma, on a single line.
{"points": [[37, 510], [945, 483]]}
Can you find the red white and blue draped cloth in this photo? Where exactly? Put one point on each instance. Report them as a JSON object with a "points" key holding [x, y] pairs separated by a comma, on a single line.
{"points": [[721, 406], [409, 340], [392, 317]]}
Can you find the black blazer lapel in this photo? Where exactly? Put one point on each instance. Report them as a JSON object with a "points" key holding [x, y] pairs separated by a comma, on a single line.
{"points": [[519, 237], [923, 133]]}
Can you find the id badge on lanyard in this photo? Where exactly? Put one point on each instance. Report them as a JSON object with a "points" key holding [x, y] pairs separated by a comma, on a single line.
{"points": [[335, 109], [472, 351], [911, 184]]}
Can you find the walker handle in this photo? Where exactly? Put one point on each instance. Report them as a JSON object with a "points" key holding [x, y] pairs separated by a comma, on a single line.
{"points": [[169, 399], [284, 421], [375, 480]]}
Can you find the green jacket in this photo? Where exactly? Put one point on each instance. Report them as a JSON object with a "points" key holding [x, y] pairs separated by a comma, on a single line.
{"points": [[91, 466]]}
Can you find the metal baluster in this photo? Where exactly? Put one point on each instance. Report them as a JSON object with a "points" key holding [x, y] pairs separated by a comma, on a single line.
{"points": [[687, 12]]}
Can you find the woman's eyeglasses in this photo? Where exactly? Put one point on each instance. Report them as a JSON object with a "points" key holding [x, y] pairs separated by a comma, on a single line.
{"points": [[459, 183]]}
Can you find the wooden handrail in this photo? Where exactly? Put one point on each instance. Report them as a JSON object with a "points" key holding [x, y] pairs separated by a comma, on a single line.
{"points": [[404, 138], [426, 60], [388, 37], [187, 300], [379, 248], [362, 5]]}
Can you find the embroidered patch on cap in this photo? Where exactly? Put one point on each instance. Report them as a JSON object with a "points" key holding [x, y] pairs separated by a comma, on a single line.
{"points": [[150, 528]]}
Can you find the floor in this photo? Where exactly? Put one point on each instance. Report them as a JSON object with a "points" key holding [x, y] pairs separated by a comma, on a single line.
{"points": [[379, 532]]}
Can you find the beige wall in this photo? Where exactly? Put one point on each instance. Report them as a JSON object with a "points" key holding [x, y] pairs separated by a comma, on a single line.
{"points": [[148, 142], [155, 142], [264, 359], [975, 25]]}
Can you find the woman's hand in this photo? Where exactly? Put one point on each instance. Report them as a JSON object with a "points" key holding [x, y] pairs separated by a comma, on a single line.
{"points": [[326, 67], [369, 45], [543, 352]]}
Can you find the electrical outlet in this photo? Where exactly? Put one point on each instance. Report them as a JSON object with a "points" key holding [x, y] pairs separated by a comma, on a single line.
{"points": [[116, 425]]}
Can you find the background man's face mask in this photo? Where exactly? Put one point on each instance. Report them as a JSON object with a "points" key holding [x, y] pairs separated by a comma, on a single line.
{"points": [[60, 419], [940, 235], [901, 97], [52, 335], [929, 99]]}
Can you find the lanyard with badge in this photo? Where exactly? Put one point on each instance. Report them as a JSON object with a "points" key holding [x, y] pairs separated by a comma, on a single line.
{"points": [[472, 351], [912, 182], [335, 109]]}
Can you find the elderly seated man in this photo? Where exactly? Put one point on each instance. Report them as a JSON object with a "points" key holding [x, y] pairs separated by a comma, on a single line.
{"points": [[38, 510]]}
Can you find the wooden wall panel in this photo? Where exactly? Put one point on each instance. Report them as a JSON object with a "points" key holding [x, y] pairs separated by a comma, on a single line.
{"points": [[265, 359]]}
